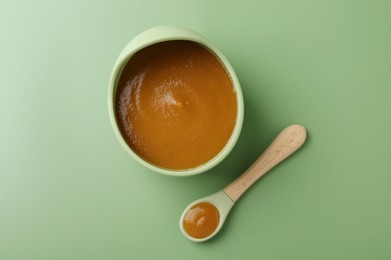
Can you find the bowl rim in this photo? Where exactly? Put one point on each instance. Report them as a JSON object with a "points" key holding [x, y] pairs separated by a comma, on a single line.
{"points": [[172, 33]]}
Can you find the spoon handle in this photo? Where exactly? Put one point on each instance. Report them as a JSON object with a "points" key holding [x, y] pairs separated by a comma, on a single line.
{"points": [[287, 142]]}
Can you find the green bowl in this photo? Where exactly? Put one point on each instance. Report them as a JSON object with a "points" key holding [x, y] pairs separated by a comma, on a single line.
{"points": [[162, 34]]}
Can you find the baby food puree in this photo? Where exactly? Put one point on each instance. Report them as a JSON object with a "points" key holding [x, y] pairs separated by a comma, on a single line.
{"points": [[201, 220], [175, 104]]}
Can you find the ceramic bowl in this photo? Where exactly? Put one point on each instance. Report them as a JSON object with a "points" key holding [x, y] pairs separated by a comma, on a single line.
{"points": [[162, 34]]}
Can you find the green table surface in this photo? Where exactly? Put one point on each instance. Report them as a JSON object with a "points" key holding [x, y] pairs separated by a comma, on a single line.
{"points": [[69, 191]]}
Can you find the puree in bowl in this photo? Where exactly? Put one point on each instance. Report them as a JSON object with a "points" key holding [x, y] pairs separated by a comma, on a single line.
{"points": [[175, 104]]}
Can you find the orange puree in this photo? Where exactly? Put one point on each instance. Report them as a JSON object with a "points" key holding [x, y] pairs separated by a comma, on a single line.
{"points": [[175, 104], [201, 220]]}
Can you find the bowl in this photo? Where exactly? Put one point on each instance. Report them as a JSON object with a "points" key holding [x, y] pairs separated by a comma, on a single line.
{"points": [[162, 34]]}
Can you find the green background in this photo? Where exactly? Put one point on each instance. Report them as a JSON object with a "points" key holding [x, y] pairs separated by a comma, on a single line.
{"points": [[69, 191]]}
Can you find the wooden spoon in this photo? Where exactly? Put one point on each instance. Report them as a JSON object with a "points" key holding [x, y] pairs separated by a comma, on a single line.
{"points": [[196, 220]]}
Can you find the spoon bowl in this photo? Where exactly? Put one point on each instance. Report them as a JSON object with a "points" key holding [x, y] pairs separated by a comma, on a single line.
{"points": [[223, 204], [287, 142]]}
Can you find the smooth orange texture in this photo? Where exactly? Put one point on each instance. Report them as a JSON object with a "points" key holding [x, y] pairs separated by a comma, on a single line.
{"points": [[201, 220], [176, 105]]}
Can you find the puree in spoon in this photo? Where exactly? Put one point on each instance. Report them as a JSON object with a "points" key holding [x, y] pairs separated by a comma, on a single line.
{"points": [[176, 105], [201, 220]]}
